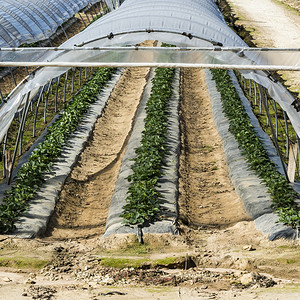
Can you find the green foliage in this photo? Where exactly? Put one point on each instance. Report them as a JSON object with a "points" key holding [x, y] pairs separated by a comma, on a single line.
{"points": [[143, 200], [282, 194], [30, 176]]}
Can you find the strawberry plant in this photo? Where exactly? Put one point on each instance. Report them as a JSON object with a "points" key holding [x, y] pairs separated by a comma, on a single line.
{"points": [[282, 194], [143, 200], [30, 176]]}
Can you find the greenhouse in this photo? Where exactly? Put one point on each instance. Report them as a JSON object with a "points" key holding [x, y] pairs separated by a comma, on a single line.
{"points": [[149, 149], [196, 28]]}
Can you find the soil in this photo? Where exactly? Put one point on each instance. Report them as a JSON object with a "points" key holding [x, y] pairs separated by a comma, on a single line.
{"points": [[218, 255], [85, 199]]}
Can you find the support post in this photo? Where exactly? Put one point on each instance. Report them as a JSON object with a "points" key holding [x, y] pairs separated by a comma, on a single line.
{"points": [[17, 141], [274, 136]]}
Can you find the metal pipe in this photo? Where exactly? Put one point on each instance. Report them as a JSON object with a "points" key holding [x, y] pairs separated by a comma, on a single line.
{"points": [[3, 155], [71, 27], [62, 27], [276, 117], [36, 110], [59, 40], [13, 77], [17, 141], [46, 100], [78, 27], [274, 138], [65, 85], [56, 93], [298, 143], [82, 20], [73, 77], [287, 139], [1, 96], [79, 81], [255, 93], [87, 17], [26, 108]]}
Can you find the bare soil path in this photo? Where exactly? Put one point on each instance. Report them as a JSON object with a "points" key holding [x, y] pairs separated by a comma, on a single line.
{"points": [[207, 197], [85, 199], [272, 23]]}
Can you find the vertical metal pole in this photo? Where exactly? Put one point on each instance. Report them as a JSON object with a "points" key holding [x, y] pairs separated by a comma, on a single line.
{"points": [[71, 27], [26, 108], [85, 72], [298, 142], [59, 40], [82, 20], [73, 77], [91, 13], [1, 96], [50, 42], [94, 9], [17, 143], [255, 93], [79, 82], [274, 138], [267, 107], [65, 85], [99, 8], [62, 27], [26, 70], [13, 77], [276, 117], [46, 101], [3, 155], [87, 17], [287, 133], [102, 9], [56, 93], [250, 87], [260, 97], [78, 27], [36, 110]]}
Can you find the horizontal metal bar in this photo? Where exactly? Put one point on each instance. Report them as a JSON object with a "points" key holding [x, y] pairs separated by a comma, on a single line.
{"points": [[249, 49], [147, 64]]}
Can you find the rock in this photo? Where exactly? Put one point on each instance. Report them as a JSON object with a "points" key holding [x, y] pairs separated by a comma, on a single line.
{"points": [[30, 281], [6, 279], [108, 280], [248, 279], [249, 248]]}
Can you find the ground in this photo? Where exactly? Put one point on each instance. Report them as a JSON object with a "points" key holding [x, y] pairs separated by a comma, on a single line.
{"points": [[219, 254]]}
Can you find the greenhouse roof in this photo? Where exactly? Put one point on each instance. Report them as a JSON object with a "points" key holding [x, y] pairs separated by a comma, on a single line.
{"points": [[29, 21]]}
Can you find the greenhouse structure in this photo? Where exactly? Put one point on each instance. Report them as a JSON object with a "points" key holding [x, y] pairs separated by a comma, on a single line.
{"points": [[196, 28]]}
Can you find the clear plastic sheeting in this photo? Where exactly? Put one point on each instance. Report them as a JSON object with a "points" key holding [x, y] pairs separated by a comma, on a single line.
{"points": [[29, 21], [185, 23], [267, 57]]}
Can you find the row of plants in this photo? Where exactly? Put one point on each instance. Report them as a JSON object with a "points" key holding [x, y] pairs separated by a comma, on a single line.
{"points": [[284, 130], [48, 108], [143, 199], [282, 194], [31, 175]]}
